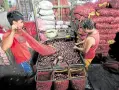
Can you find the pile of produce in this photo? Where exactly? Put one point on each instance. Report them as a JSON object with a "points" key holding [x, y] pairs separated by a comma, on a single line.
{"points": [[64, 50]]}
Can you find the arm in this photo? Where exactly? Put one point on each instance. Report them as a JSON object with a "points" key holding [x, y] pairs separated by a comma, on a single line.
{"points": [[8, 38], [89, 42], [28, 45], [80, 42], [7, 41]]}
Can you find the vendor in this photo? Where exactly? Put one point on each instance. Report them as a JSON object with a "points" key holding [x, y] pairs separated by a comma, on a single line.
{"points": [[90, 44], [13, 39], [19, 42]]}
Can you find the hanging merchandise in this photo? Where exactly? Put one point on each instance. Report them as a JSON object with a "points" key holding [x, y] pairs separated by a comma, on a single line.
{"points": [[63, 13], [31, 16]]}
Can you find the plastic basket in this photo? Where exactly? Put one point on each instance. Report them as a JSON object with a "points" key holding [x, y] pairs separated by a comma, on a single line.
{"points": [[77, 71], [44, 80], [77, 76], [61, 83], [78, 84]]}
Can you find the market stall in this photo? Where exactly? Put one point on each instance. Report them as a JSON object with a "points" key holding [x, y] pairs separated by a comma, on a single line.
{"points": [[58, 71], [57, 23]]}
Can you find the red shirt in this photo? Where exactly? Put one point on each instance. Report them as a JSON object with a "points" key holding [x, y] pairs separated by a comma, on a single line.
{"points": [[19, 48], [91, 53]]}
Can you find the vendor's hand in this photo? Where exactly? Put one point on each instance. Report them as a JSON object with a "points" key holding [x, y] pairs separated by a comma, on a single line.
{"points": [[75, 47], [14, 28], [51, 46], [76, 44]]}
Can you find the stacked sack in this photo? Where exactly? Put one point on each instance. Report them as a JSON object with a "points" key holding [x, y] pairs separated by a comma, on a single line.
{"points": [[107, 23], [46, 13], [105, 17], [45, 18]]}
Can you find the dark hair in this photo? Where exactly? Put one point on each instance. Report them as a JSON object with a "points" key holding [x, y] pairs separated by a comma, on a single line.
{"points": [[88, 24], [14, 16]]}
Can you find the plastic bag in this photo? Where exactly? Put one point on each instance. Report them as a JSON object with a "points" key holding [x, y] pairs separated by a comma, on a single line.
{"points": [[42, 49], [30, 28]]}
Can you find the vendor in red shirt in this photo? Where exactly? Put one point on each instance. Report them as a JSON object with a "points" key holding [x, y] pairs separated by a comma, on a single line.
{"points": [[14, 40], [90, 44]]}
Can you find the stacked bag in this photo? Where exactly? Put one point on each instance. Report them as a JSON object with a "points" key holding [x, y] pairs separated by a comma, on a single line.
{"points": [[45, 18], [105, 14], [107, 24], [62, 24], [46, 14]]}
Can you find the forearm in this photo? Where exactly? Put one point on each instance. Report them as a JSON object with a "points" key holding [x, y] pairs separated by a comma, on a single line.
{"points": [[80, 42], [7, 42], [81, 49]]}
